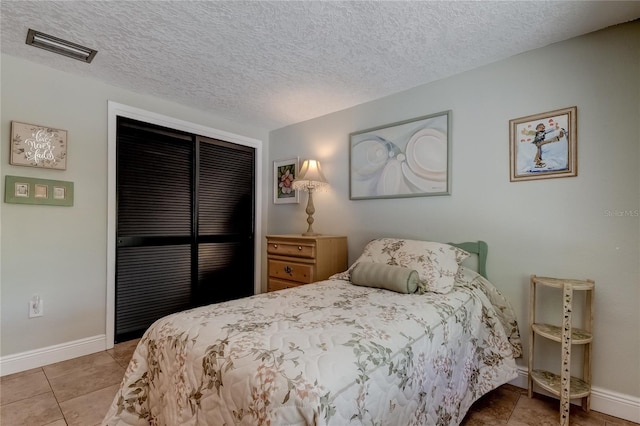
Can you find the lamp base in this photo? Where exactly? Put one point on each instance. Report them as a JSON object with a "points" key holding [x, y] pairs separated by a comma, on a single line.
{"points": [[310, 211], [310, 234]]}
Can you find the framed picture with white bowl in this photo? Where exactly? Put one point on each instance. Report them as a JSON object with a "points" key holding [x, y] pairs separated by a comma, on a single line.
{"points": [[410, 158]]}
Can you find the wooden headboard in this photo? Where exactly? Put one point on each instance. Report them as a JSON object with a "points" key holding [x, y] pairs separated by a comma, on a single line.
{"points": [[481, 249]]}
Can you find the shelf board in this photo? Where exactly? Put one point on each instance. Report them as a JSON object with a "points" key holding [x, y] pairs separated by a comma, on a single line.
{"points": [[579, 336], [551, 383], [559, 283]]}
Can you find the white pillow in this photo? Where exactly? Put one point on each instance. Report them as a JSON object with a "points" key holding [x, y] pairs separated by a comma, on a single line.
{"points": [[436, 263]]}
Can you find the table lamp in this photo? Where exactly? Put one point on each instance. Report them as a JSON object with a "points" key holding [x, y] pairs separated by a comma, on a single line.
{"points": [[309, 179]]}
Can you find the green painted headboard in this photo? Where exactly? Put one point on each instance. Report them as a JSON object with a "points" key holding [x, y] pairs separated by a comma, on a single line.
{"points": [[481, 249]]}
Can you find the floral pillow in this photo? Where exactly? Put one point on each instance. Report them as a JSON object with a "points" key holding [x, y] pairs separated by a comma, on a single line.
{"points": [[436, 263]]}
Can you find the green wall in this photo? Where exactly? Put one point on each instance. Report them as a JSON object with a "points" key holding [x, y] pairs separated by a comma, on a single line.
{"points": [[60, 253], [572, 227]]}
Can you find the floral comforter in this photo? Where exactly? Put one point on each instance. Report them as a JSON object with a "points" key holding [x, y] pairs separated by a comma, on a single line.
{"points": [[329, 353]]}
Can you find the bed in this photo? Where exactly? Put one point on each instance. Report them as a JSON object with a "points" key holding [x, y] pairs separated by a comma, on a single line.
{"points": [[331, 352]]}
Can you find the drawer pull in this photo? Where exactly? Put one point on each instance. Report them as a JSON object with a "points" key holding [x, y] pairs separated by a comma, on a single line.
{"points": [[299, 247], [275, 246], [288, 269]]}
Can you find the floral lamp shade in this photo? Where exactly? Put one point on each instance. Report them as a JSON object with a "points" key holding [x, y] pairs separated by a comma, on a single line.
{"points": [[310, 176]]}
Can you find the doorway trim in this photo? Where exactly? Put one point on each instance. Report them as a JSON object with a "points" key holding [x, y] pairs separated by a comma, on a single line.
{"points": [[120, 110]]}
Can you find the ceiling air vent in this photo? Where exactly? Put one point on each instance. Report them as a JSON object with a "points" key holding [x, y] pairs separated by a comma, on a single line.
{"points": [[62, 47]]}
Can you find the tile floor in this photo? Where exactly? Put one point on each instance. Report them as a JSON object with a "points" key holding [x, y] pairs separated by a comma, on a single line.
{"points": [[79, 392]]}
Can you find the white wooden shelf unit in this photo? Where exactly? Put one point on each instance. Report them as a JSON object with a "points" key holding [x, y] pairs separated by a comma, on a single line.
{"points": [[563, 385]]}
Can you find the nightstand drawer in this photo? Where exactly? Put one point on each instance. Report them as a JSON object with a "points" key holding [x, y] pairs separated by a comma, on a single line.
{"points": [[291, 249], [275, 284], [291, 271]]}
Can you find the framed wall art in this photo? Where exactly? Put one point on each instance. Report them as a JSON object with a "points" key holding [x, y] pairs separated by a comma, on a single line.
{"points": [[284, 172], [25, 190], [38, 146], [544, 146], [410, 158]]}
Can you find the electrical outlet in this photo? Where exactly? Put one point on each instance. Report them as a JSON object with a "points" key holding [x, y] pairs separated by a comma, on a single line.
{"points": [[36, 307]]}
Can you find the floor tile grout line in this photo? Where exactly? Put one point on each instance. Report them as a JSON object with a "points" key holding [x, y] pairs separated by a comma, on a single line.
{"points": [[54, 396], [513, 410], [31, 396]]}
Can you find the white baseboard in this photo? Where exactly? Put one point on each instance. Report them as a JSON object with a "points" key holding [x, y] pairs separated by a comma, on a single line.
{"points": [[51, 354], [602, 400]]}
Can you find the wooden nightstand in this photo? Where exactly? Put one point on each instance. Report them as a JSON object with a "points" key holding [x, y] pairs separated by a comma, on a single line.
{"points": [[295, 260]]}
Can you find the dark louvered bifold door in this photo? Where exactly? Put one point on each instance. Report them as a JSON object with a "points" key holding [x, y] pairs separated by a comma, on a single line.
{"points": [[185, 223], [225, 221], [155, 226]]}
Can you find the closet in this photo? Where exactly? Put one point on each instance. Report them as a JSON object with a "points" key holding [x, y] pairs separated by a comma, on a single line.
{"points": [[184, 223]]}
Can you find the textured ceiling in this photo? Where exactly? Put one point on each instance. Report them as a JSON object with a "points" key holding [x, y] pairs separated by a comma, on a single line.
{"points": [[273, 63]]}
